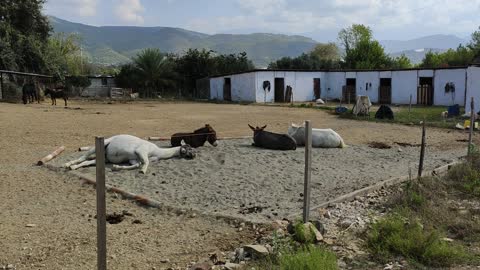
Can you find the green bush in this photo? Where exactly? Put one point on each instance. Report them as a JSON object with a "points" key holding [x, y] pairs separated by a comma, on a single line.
{"points": [[398, 235], [302, 234], [309, 258]]}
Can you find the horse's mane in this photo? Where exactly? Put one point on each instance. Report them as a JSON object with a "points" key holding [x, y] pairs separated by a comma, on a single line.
{"points": [[208, 129]]}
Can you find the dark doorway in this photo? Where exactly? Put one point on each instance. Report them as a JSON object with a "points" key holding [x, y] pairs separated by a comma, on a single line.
{"points": [[316, 88], [385, 91], [279, 90], [227, 89], [349, 91], [425, 91]]}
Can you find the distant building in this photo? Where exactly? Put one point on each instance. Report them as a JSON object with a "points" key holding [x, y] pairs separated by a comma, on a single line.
{"points": [[439, 86], [101, 86]]}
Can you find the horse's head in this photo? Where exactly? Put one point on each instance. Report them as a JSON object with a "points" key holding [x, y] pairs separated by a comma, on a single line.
{"points": [[212, 135], [257, 129], [294, 129], [186, 151]]}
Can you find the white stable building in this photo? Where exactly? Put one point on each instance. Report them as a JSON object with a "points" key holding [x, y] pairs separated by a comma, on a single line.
{"points": [[440, 86]]}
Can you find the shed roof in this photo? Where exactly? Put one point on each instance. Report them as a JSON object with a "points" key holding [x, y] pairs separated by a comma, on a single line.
{"points": [[334, 70]]}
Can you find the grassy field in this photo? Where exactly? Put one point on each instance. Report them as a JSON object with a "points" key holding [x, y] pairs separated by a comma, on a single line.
{"points": [[402, 114]]}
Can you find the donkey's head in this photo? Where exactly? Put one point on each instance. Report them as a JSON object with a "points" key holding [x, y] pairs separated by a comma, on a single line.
{"points": [[212, 135], [257, 129], [186, 151]]}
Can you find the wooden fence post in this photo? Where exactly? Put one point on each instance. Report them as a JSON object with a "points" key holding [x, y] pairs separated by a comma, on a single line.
{"points": [[409, 108], [422, 151], [101, 205], [472, 124], [308, 171]]}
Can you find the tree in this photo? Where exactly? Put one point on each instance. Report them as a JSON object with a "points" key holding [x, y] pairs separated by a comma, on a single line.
{"points": [[361, 50], [351, 36], [326, 52], [155, 70], [475, 43], [323, 56], [460, 57], [23, 34], [401, 61]]}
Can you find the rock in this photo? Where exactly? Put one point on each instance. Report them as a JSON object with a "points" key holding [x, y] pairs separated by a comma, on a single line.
{"points": [[230, 266], [256, 251], [164, 260], [388, 267], [280, 224], [345, 223], [319, 226], [10, 266], [31, 225], [201, 266], [447, 239], [319, 102]]}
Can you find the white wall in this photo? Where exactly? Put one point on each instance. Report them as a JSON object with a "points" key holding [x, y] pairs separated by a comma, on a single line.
{"points": [[404, 84], [301, 83], [372, 77], [473, 88], [442, 77], [243, 87], [216, 88], [334, 83]]}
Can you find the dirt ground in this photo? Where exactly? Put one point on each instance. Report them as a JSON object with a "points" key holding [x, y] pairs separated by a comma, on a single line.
{"points": [[61, 208]]}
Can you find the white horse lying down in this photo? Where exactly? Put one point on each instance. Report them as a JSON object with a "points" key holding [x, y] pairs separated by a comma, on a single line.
{"points": [[324, 138], [139, 153]]}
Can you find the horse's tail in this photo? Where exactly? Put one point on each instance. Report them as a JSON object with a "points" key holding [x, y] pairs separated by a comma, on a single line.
{"points": [[342, 144]]}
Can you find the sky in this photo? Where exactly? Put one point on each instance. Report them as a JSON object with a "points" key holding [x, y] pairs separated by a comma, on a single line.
{"points": [[318, 19]]}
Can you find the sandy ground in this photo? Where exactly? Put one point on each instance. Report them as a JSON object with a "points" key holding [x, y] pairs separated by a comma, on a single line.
{"points": [[59, 206], [238, 180]]}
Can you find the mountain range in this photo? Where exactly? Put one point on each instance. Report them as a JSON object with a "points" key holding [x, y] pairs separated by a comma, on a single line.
{"points": [[112, 45]]}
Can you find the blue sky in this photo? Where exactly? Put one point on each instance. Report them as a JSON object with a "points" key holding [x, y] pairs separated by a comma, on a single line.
{"points": [[319, 19]]}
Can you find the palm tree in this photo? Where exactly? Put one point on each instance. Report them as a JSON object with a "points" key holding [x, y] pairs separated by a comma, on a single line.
{"points": [[155, 69]]}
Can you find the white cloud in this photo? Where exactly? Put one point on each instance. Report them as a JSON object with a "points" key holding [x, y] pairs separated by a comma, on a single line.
{"points": [[83, 8], [129, 11]]}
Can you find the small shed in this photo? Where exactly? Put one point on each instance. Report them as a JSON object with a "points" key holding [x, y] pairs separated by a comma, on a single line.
{"points": [[101, 86]]}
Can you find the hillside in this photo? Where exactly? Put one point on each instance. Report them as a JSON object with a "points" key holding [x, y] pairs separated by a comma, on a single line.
{"points": [[416, 56], [117, 44], [441, 42]]}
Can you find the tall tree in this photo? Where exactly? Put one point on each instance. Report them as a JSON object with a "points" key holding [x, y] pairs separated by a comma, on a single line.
{"points": [[361, 50], [475, 43], [155, 69], [23, 34], [350, 37]]}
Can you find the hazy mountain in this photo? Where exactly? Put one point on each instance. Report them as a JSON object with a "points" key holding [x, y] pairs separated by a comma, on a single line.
{"points": [[442, 42], [117, 44]]}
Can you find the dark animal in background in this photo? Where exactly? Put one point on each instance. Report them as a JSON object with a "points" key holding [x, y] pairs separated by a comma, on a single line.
{"points": [[59, 92], [270, 140], [384, 112], [197, 138], [29, 93], [266, 86]]}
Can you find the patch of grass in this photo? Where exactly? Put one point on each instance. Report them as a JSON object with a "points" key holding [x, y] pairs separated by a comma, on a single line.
{"points": [[302, 234], [431, 114], [309, 258], [466, 176], [400, 235]]}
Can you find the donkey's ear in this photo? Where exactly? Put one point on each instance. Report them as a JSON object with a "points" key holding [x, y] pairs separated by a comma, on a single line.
{"points": [[262, 128], [252, 128], [207, 125]]}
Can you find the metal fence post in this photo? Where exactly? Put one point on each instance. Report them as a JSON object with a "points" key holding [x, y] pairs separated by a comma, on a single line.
{"points": [[472, 124]]}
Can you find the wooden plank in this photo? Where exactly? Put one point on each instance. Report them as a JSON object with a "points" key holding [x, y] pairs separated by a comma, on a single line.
{"points": [[101, 205], [308, 171], [422, 151], [51, 156]]}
